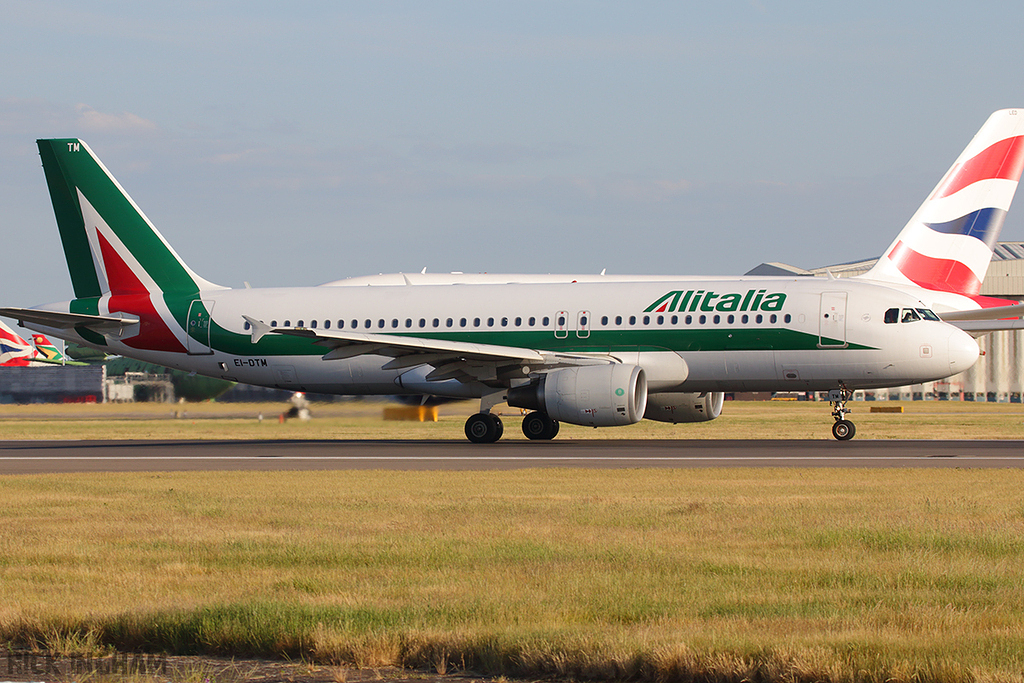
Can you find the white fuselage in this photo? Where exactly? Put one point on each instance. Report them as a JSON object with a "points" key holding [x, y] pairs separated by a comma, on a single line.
{"points": [[707, 334]]}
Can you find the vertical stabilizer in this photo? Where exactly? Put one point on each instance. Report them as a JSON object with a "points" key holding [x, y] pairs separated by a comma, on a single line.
{"points": [[947, 245], [110, 245], [14, 350]]}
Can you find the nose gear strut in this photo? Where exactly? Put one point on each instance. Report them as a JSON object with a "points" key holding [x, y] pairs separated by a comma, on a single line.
{"points": [[842, 429]]}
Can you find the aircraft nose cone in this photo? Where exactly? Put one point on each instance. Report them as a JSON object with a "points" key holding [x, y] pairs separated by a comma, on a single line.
{"points": [[963, 351]]}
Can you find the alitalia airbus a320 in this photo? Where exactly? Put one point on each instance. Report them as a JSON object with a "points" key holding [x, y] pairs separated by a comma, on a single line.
{"points": [[588, 350]]}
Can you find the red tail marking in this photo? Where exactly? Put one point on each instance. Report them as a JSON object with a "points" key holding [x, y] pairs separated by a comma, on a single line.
{"points": [[941, 275], [1004, 159], [129, 295]]}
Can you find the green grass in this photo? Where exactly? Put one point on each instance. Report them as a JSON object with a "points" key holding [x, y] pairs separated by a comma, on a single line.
{"points": [[800, 575]]}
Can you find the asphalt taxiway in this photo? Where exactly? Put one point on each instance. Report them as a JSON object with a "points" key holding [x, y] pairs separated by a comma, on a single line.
{"points": [[24, 457]]}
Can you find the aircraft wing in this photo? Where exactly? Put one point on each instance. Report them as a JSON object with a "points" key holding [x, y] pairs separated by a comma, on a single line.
{"points": [[63, 321], [452, 359]]}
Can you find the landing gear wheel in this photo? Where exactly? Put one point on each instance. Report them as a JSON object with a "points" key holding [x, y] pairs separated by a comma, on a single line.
{"points": [[484, 428], [537, 426], [843, 430]]}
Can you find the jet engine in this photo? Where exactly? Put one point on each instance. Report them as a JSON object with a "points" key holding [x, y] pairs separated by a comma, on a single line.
{"points": [[590, 395], [684, 407]]}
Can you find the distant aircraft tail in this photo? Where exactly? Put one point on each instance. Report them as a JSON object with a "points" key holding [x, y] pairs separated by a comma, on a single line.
{"points": [[46, 349], [948, 243], [110, 245], [14, 351]]}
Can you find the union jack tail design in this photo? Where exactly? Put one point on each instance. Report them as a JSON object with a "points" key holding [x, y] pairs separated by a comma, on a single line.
{"points": [[947, 245], [15, 351]]}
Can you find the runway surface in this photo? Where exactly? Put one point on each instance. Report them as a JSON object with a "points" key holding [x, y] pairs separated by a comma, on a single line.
{"points": [[24, 457]]}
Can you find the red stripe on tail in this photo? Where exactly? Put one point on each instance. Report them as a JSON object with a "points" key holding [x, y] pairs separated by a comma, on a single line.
{"points": [[1004, 159], [129, 295], [941, 275]]}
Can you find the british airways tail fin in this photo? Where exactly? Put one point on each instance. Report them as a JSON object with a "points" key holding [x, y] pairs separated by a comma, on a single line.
{"points": [[14, 350], [110, 245], [948, 243]]}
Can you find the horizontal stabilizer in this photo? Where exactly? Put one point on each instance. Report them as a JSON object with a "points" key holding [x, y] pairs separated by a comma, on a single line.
{"points": [[977, 328], [996, 313], [64, 321]]}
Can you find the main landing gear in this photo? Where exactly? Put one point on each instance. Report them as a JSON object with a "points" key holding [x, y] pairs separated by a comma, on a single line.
{"points": [[485, 427], [842, 429], [488, 428], [537, 426]]}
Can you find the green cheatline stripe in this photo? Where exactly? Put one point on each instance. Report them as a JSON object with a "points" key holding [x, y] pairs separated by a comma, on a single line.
{"points": [[66, 170]]}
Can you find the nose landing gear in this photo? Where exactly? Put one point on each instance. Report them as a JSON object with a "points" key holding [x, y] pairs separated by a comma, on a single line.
{"points": [[842, 429]]}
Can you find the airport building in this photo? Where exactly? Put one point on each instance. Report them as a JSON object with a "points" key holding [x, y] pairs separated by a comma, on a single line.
{"points": [[998, 376]]}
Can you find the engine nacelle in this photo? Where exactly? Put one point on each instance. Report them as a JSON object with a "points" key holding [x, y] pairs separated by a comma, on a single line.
{"points": [[590, 395], [684, 407]]}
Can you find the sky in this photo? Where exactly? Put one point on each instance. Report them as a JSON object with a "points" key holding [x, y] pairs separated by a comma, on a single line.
{"points": [[298, 143]]}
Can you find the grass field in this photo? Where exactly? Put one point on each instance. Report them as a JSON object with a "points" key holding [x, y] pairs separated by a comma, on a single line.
{"points": [[867, 575], [661, 575], [362, 420]]}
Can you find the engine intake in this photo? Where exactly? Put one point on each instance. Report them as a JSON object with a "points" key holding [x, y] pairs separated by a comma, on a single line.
{"points": [[590, 395]]}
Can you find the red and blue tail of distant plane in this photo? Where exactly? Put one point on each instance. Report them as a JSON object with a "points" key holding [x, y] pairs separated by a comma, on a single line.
{"points": [[947, 245], [15, 351]]}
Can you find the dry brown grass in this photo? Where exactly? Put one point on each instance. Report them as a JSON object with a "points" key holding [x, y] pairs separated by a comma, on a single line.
{"points": [[719, 575], [362, 420]]}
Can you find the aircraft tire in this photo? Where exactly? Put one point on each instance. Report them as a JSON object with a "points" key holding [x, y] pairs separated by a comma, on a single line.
{"points": [[537, 426], [484, 428], [843, 430]]}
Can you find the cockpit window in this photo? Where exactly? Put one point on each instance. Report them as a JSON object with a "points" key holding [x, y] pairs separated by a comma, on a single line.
{"points": [[928, 314], [910, 316], [892, 316]]}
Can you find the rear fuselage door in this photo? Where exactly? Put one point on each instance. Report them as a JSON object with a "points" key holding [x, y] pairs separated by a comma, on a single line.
{"points": [[198, 328]]}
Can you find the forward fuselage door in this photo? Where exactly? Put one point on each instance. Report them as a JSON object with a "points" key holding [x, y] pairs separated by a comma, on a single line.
{"points": [[198, 328], [832, 320]]}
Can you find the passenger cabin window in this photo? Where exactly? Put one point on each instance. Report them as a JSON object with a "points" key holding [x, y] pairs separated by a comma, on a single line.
{"points": [[892, 316], [312, 324]]}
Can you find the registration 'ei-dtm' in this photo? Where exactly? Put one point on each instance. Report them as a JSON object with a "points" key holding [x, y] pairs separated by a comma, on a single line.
{"points": [[589, 350]]}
